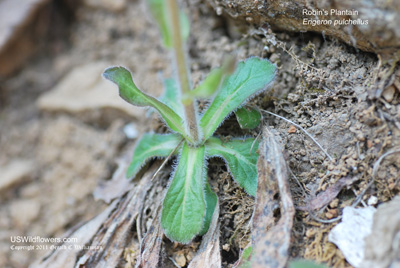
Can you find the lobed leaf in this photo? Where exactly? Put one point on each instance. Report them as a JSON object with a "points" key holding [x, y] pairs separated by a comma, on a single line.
{"points": [[184, 206], [150, 146], [242, 162], [248, 117], [211, 202], [160, 13], [132, 94], [250, 77]]}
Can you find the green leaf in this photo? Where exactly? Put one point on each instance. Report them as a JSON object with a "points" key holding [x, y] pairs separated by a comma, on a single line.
{"points": [[184, 206], [248, 117], [211, 202], [250, 77], [171, 96], [159, 10], [150, 146], [241, 162], [305, 264], [212, 82], [245, 258], [131, 93]]}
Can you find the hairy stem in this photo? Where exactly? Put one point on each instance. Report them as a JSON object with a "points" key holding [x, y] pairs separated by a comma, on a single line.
{"points": [[183, 75]]}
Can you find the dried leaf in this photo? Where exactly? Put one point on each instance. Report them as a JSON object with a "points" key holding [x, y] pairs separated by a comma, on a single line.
{"points": [[209, 253], [108, 244], [61, 258], [328, 195], [270, 236], [151, 245]]}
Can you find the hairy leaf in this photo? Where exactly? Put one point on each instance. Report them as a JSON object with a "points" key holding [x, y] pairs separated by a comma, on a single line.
{"points": [[132, 94], [242, 162], [171, 96], [211, 201], [150, 146], [184, 206], [212, 82], [160, 13], [251, 76], [248, 117]]}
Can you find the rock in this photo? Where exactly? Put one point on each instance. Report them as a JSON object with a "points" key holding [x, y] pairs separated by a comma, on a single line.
{"points": [[15, 173], [23, 212], [349, 241], [373, 26], [382, 245], [85, 94], [388, 93], [16, 42], [110, 5]]}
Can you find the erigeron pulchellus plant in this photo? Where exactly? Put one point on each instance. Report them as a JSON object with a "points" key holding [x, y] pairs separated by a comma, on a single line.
{"points": [[190, 202]]}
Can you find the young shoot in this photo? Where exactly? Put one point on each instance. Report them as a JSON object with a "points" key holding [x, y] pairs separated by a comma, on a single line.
{"points": [[190, 202]]}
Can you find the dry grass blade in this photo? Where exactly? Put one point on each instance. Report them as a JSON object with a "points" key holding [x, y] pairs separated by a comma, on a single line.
{"points": [[271, 237], [209, 254], [378, 163]]}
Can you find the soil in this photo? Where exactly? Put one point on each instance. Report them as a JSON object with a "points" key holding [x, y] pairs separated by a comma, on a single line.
{"points": [[327, 87]]}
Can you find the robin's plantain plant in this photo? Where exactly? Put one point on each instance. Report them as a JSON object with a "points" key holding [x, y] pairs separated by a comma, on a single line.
{"points": [[189, 203]]}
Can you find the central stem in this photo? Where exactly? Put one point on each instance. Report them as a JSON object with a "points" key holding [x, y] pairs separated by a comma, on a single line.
{"points": [[183, 74]]}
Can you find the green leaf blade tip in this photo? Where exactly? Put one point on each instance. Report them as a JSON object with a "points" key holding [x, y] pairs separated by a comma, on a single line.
{"points": [[211, 202], [184, 206], [250, 77], [248, 117], [132, 94]]}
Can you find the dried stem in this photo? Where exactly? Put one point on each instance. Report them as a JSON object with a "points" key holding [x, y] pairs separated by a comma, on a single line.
{"points": [[183, 74]]}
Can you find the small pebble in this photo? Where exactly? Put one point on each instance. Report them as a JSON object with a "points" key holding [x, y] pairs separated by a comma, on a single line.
{"points": [[388, 93], [292, 129], [180, 259], [332, 213], [372, 201]]}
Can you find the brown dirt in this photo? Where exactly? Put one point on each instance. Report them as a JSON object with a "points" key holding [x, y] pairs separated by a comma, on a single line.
{"points": [[325, 86]]}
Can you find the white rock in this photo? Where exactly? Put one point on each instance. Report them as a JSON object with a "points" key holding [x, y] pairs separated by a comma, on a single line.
{"points": [[14, 173], [372, 201], [83, 90], [131, 131], [349, 235]]}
